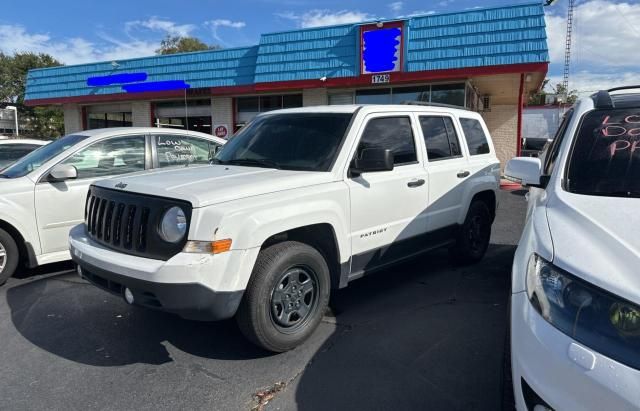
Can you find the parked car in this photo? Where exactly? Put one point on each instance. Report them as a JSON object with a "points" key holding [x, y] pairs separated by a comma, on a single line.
{"points": [[13, 149], [42, 195], [300, 201], [575, 304]]}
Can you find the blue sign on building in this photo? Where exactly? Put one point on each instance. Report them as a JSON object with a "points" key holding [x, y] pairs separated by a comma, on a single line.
{"points": [[381, 50]]}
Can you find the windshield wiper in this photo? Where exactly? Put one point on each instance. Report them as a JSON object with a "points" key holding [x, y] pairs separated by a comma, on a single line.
{"points": [[259, 162]]}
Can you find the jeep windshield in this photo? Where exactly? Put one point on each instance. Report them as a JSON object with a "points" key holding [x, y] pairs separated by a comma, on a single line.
{"points": [[36, 158], [291, 141], [605, 158]]}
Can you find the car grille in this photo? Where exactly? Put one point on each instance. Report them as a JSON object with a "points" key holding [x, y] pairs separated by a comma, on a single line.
{"points": [[128, 222]]}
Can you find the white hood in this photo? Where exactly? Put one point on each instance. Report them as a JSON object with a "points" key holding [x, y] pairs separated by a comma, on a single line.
{"points": [[212, 184], [598, 239]]}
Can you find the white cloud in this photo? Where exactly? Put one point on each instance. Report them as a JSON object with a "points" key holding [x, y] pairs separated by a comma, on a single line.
{"points": [[228, 23], [605, 45], [215, 24], [603, 34], [396, 6], [75, 50], [161, 25], [316, 18]]}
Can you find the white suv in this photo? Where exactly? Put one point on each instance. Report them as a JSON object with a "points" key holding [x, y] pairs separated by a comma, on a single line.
{"points": [[575, 307], [42, 194], [300, 201]]}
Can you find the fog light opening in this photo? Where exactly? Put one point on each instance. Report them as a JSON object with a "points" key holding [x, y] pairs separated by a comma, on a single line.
{"points": [[128, 296]]}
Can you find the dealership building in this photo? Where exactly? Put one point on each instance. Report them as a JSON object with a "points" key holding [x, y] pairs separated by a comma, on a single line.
{"points": [[487, 60]]}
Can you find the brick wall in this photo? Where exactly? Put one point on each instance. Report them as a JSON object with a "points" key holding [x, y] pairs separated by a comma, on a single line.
{"points": [[72, 118], [502, 122], [222, 112], [141, 114], [314, 97]]}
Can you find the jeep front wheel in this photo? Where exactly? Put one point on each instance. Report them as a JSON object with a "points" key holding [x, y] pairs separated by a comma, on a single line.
{"points": [[286, 296]]}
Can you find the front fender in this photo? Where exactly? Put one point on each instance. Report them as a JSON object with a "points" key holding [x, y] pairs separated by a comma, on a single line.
{"points": [[17, 211]]}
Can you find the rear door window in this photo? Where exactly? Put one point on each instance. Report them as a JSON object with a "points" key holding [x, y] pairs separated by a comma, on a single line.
{"points": [[605, 157], [476, 139], [440, 137], [174, 150], [393, 133]]}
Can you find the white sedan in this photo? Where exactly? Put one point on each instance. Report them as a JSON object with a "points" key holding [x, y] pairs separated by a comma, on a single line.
{"points": [[575, 303], [43, 194], [15, 148]]}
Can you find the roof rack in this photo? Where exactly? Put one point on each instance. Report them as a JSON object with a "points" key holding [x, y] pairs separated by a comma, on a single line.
{"points": [[602, 99], [428, 104], [623, 88]]}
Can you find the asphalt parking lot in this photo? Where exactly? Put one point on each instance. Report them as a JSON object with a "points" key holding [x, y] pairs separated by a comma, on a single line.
{"points": [[423, 335]]}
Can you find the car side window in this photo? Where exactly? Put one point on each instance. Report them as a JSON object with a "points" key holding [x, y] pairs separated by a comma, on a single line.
{"points": [[393, 133], [476, 139], [114, 156], [440, 138], [173, 150], [554, 148]]}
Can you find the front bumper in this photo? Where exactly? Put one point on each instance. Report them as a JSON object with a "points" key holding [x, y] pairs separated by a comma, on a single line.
{"points": [[181, 285], [562, 372]]}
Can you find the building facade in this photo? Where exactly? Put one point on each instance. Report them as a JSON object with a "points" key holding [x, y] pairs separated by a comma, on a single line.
{"points": [[487, 60]]}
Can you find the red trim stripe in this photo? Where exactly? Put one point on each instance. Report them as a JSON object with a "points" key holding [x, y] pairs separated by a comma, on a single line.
{"points": [[362, 80]]}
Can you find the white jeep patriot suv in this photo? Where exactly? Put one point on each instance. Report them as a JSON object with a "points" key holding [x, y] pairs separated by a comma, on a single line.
{"points": [[298, 202]]}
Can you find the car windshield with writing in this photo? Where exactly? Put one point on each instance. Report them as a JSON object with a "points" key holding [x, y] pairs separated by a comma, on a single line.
{"points": [[605, 158], [35, 159], [292, 141]]}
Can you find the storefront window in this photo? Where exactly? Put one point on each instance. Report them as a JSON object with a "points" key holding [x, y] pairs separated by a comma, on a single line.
{"points": [[106, 120], [402, 94], [448, 94], [249, 107], [196, 116], [374, 96]]}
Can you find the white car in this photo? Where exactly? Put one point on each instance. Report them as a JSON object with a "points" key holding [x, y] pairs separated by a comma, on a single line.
{"points": [[575, 303], [15, 148], [42, 195], [301, 201]]}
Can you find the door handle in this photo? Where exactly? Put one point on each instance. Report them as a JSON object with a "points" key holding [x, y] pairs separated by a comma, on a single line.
{"points": [[415, 183], [463, 174]]}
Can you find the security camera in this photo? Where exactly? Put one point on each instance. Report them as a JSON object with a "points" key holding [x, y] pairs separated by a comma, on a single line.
{"points": [[115, 64], [323, 78]]}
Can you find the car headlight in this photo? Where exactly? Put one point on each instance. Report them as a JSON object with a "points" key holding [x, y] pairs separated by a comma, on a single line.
{"points": [[173, 225], [588, 314]]}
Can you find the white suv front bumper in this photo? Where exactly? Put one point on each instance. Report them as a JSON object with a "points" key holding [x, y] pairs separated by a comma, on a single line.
{"points": [[194, 286]]}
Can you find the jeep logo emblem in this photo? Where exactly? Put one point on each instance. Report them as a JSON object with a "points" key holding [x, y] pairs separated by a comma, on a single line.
{"points": [[121, 185]]}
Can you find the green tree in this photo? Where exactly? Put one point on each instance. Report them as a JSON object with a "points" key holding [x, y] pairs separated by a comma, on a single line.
{"points": [[34, 121], [177, 44], [539, 98]]}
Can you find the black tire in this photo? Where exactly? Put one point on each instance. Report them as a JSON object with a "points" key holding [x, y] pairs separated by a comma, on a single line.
{"points": [[473, 239], [10, 258], [271, 297]]}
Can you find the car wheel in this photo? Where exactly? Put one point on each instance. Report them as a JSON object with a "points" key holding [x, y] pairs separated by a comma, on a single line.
{"points": [[8, 256], [286, 296], [473, 238]]}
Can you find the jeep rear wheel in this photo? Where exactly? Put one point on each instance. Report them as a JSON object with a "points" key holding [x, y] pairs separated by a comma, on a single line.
{"points": [[8, 256], [473, 238], [286, 296]]}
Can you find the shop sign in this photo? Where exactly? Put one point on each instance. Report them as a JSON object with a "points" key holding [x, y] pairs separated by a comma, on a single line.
{"points": [[221, 130]]}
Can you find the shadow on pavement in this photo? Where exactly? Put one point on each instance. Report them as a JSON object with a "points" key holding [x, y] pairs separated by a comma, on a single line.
{"points": [[423, 335], [70, 318]]}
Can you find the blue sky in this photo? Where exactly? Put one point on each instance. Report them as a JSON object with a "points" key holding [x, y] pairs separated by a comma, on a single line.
{"points": [[605, 51]]}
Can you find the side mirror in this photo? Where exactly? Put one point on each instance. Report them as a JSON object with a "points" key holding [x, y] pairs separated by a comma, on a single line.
{"points": [[525, 170], [373, 159], [62, 172]]}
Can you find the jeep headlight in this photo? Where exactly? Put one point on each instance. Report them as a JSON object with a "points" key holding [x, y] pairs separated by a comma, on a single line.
{"points": [[173, 225], [588, 314]]}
